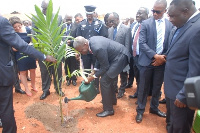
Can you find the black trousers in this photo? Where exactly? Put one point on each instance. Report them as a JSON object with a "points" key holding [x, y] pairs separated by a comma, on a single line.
{"points": [[179, 120], [72, 64], [147, 74], [136, 68], [131, 72], [16, 84], [123, 81], [6, 109], [46, 75], [107, 92]]}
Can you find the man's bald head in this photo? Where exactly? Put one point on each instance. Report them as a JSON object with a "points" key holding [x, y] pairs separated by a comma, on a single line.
{"points": [[44, 6]]}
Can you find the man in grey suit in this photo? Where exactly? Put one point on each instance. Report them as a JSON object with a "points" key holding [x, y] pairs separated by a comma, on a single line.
{"points": [[112, 57], [153, 41], [121, 34], [8, 39], [183, 61], [46, 74]]}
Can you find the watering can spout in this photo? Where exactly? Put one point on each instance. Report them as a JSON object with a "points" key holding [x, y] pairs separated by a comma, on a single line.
{"points": [[87, 92]]}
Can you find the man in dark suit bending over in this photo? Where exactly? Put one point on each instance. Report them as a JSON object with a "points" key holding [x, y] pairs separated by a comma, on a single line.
{"points": [[112, 58]]}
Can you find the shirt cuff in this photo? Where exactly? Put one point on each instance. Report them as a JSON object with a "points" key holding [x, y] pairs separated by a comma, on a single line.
{"points": [[94, 76], [96, 69], [45, 57]]}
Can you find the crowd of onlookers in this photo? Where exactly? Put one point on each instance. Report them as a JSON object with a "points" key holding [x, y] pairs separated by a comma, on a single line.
{"points": [[153, 41]]}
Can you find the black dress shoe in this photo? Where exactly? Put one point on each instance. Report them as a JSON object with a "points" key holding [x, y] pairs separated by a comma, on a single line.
{"points": [[163, 101], [138, 118], [20, 91], [68, 82], [133, 96], [74, 82], [44, 95], [61, 93], [159, 113], [128, 86], [120, 94], [105, 113]]}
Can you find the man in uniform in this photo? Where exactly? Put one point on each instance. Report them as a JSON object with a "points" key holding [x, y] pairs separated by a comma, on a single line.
{"points": [[87, 28]]}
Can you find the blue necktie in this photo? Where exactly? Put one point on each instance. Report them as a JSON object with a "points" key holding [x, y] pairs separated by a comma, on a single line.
{"points": [[159, 47], [114, 33], [175, 35]]}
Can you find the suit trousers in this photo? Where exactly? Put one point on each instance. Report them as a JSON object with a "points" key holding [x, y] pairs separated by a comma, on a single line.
{"points": [[131, 72], [107, 92], [136, 68], [72, 64], [6, 109], [46, 75], [16, 84], [146, 74], [123, 81], [179, 120]]}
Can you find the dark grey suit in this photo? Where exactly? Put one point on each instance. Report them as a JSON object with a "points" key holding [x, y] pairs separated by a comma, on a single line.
{"points": [[183, 61], [148, 42], [112, 57], [8, 39], [123, 37]]}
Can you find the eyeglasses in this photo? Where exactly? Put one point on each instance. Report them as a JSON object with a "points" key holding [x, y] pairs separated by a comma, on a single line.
{"points": [[157, 12]]}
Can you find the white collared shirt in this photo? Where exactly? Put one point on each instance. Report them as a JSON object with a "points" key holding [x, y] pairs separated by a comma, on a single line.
{"points": [[197, 12], [163, 27]]}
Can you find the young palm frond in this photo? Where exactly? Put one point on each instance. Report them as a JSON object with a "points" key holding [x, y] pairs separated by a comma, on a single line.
{"points": [[48, 39]]}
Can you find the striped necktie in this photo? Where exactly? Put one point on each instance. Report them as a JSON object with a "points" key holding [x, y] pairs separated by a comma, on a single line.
{"points": [[159, 47]]}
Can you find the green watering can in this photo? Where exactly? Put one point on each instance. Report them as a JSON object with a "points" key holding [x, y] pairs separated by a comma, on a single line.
{"points": [[87, 92]]}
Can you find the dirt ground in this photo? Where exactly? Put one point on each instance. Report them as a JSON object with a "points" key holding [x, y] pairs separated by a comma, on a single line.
{"points": [[42, 116]]}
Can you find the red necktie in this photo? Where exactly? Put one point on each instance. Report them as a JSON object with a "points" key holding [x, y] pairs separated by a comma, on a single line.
{"points": [[135, 41]]}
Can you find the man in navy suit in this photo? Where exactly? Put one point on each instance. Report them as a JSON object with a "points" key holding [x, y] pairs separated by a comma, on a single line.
{"points": [[112, 57], [183, 61], [153, 40], [8, 39]]}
